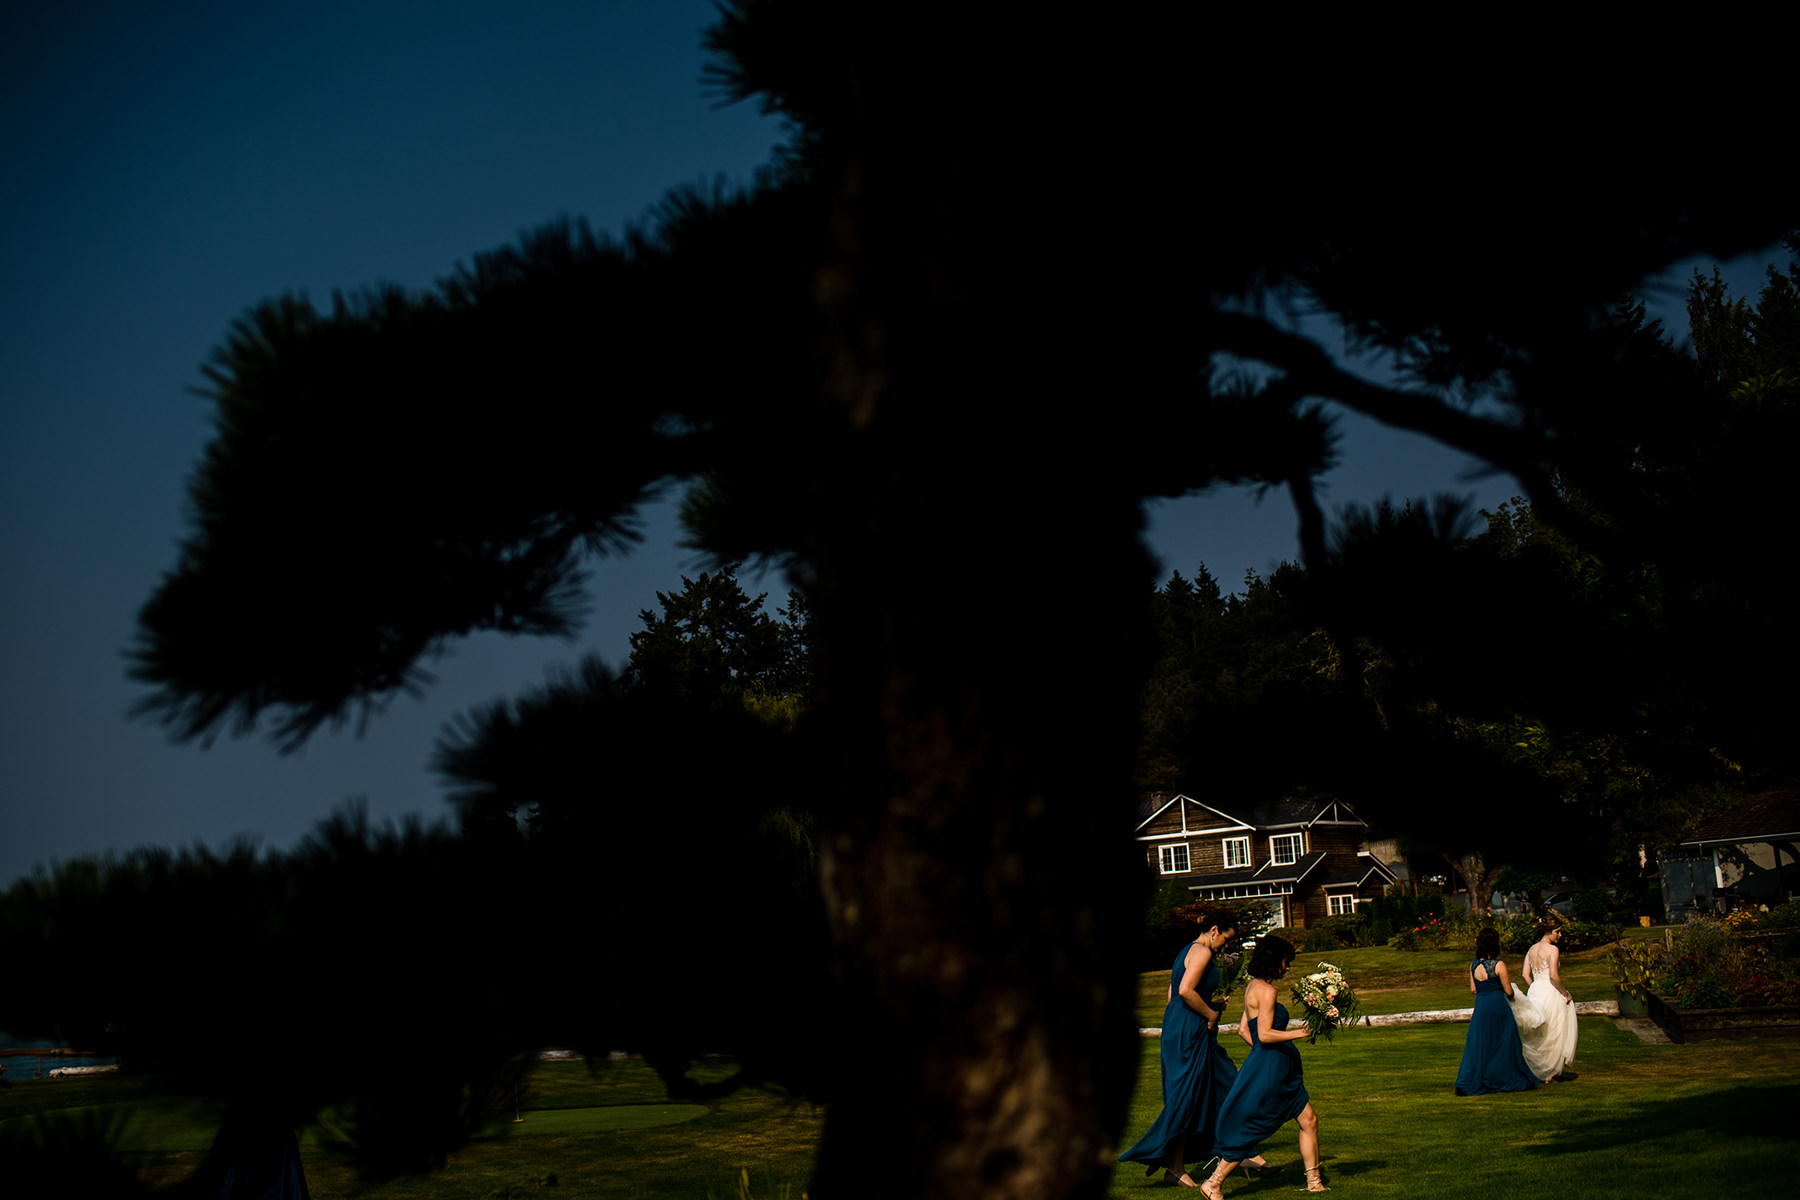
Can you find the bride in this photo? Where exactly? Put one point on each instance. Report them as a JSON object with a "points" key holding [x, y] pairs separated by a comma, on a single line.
{"points": [[1548, 1030]]}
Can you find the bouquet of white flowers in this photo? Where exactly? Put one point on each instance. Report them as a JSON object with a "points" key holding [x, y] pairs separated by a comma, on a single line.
{"points": [[1327, 1001]]}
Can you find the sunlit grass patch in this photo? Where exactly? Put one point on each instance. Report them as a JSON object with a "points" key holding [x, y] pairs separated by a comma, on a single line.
{"points": [[1627, 1126]]}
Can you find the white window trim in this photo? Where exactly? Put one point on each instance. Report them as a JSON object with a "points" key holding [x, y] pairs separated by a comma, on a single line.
{"points": [[1165, 856], [1296, 840], [1347, 899], [1243, 858]]}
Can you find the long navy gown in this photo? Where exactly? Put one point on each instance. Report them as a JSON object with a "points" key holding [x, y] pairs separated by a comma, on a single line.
{"points": [[1493, 1058], [1270, 1091], [1196, 1074]]}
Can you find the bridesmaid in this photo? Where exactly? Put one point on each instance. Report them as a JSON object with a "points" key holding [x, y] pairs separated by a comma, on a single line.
{"points": [[1493, 1059], [1270, 1090], [1196, 1071]]}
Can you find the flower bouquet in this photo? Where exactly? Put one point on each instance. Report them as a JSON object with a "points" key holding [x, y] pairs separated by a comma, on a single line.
{"points": [[1326, 1000]]}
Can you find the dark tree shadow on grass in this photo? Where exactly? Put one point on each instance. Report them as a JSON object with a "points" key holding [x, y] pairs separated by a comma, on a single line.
{"points": [[1736, 1113]]}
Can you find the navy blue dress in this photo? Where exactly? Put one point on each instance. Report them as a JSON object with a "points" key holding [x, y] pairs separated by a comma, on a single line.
{"points": [[1270, 1091], [1196, 1074], [1493, 1058]]}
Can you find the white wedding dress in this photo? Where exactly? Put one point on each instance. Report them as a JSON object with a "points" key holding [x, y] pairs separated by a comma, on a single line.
{"points": [[1547, 1025]]}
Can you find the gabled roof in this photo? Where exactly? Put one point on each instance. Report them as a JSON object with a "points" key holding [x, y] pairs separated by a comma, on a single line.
{"points": [[1268, 872], [1771, 816], [1279, 814], [1346, 871], [1209, 818]]}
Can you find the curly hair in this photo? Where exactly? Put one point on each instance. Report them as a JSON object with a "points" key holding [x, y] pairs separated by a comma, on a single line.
{"points": [[1487, 943], [1271, 957]]}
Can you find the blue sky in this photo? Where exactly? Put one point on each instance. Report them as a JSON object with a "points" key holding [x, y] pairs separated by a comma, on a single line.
{"points": [[162, 168]]}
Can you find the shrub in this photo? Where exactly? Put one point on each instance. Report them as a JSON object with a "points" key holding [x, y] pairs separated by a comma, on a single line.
{"points": [[1517, 933], [1163, 929], [1782, 916], [1592, 905], [1454, 928], [1170, 895], [1704, 991], [1180, 922], [1252, 915], [1345, 929], [1636, 965], [1703, 939], [1713, 966], [1585, 935], [1405, 911]]}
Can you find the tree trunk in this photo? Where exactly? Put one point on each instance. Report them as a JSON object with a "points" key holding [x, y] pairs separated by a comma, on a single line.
{"points": [[1478, 877], [977, 868]]}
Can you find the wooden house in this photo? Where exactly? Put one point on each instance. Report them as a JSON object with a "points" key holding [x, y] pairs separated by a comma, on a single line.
{"points": [[1306, 857]]}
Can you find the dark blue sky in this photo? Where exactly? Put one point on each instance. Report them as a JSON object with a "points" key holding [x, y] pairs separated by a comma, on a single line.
{"points": [[163, 167]]}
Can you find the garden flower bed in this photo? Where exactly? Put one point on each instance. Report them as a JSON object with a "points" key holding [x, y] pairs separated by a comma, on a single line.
{"points": [[1722, 1024], [1719, 978]]}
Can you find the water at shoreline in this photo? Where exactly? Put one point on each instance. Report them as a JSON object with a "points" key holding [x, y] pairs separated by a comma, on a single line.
{"points": [[26, 1059]]}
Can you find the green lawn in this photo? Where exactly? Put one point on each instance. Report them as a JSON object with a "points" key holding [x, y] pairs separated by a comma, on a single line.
{"points": [[613, 1133], [1392, 981], [1639, 1121]]}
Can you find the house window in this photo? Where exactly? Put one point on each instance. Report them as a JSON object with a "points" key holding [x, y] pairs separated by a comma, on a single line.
{"points": [[1285, 848], [1237, 852], [1174, 858], [1341, 905]]}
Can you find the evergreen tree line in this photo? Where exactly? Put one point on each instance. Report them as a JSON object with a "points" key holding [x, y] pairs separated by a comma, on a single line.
{"points": [[1561, 697]]}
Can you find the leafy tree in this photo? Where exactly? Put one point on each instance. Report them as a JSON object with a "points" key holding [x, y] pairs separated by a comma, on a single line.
{"points": [[915, 370]]}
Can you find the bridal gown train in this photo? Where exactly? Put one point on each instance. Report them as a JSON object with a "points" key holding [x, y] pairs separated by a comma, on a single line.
{"points": [[1549, 1046]]}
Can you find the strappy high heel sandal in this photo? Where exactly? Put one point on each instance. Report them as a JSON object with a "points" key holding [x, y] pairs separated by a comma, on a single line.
{"points": [[1214, 1186], [1313, 1182]]}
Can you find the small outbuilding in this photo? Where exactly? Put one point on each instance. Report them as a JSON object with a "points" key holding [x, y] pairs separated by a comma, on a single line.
{"points": [[1753, 848]]}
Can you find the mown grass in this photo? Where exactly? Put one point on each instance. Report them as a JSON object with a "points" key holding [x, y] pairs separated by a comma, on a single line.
{"points": [[1393, 981], [1639, 1120], [610, 1133]]}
